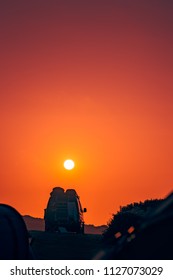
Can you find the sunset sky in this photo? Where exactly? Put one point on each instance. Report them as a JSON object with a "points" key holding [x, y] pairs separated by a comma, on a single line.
{"points": [[89, 80]]}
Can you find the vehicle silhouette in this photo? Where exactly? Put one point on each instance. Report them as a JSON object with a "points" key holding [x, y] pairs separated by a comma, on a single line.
{"points": [[64, 211]]}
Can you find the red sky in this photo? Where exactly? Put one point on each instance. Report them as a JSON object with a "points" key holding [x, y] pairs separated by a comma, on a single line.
{"points": [[91, 81]]}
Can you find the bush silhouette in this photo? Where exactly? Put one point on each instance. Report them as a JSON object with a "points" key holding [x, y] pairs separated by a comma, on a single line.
{"points": [[130, 215]]}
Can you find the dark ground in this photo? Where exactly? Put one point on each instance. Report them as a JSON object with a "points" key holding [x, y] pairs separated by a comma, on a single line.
{"points": [[65, 246]]}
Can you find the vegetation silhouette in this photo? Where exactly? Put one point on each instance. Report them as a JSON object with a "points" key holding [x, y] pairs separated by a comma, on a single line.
{"points": [[131, 215], [149, 236]]}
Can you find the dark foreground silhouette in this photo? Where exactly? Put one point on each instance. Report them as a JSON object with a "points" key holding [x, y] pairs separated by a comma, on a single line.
{"points": [[14, 241], [65, 246], [151, 238]]}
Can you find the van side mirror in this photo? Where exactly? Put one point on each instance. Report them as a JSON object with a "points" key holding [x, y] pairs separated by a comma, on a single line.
{"points": [[84, 210]]}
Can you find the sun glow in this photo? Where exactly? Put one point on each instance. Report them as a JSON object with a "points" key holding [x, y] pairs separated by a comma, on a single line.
{"points": [[69, 164]]}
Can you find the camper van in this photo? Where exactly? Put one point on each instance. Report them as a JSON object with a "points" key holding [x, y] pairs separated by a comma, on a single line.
{"points": [[64, 211]]}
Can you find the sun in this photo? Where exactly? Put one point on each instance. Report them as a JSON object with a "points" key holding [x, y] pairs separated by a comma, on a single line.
{"points": [[69, 164]]}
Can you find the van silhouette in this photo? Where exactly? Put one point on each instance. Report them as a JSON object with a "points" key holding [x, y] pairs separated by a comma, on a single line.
{"points": [[64, 211]]}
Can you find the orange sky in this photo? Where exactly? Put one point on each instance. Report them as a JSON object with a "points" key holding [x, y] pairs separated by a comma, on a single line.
{"points": [[91, 81]]}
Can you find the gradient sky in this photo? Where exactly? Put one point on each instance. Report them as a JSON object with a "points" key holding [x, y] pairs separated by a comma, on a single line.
{"points": [[92, 81]]}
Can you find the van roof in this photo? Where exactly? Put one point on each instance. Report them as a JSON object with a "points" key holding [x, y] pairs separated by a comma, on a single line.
{"points": [[61, 191]]}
